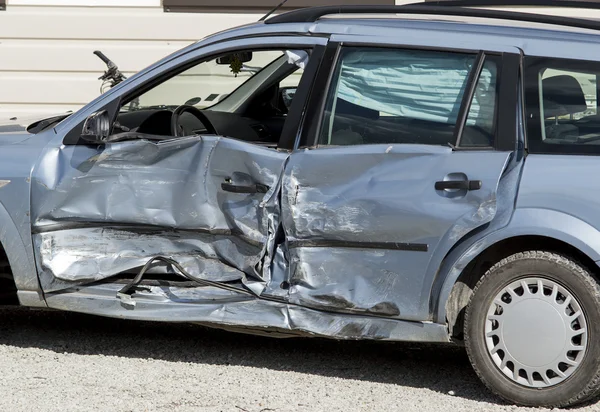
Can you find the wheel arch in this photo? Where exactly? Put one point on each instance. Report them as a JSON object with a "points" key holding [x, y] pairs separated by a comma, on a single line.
{"points": [[530, 229], [19, 255]]}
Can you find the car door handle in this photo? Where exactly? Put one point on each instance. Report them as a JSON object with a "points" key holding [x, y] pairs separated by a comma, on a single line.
{"points": [[458, 184], [257, 188]]}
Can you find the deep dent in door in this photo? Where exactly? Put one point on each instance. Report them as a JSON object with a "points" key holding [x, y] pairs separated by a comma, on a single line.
{"points": [[98, 213], [360, 239]]}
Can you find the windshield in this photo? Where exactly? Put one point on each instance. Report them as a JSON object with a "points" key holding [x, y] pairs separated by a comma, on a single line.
{"points": [[206, 83]]}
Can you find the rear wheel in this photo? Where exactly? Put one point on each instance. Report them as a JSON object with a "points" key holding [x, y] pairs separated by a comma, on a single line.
{"points": [[532, 330]]}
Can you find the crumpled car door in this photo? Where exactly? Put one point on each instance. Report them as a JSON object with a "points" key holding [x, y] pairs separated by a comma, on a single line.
{"points": [[379, 197], [360, 238], [101, 212]]}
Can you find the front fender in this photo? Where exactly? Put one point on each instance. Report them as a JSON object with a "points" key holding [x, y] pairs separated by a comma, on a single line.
{"points": [[19, 253], [524, 222]]}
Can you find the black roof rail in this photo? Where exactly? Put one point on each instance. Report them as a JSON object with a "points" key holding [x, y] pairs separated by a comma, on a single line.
{"points": [[312, 14], [572, 4]]}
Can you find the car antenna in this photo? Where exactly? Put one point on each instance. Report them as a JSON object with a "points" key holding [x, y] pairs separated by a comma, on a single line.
{"points": [[263, 18]]}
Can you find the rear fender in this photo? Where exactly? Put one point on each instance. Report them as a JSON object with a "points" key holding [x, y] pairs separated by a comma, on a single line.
{"points": [[525, 222]]}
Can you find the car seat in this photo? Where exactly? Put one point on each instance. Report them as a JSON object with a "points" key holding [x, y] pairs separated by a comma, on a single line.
{"points": [[562, 95]]}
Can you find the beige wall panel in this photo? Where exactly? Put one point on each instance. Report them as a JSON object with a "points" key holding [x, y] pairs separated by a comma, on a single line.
{"points": [[117, 23], [46, 61], [63, 88], [76, 55]]}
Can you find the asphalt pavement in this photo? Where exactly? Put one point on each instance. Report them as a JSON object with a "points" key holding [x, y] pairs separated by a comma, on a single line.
{"points": [[55, 361]]}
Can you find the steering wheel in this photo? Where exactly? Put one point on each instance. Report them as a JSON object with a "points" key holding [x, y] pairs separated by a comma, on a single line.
{"points": [[176, 128]]}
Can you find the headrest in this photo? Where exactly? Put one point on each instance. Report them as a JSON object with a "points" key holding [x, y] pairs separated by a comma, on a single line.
{"points": [[562, 95]]}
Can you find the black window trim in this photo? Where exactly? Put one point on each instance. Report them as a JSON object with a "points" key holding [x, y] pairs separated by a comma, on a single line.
{"points": [[308, 83], [309, 133], [310, 126], [533, 127], [507, 121], [521, 112], [502, 140], [467, 98]]}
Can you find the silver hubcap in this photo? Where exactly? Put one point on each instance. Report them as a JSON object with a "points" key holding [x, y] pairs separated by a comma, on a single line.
{"points": [[536, 332]]}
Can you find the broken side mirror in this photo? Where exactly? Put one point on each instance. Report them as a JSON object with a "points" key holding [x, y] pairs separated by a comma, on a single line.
{"points": [[287, 95], [96, 128]]}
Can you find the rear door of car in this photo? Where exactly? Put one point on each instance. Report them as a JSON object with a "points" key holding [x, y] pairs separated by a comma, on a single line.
{"points": [[402, 156]]}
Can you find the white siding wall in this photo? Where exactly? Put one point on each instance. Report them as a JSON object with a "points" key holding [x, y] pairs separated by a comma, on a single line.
{"points": [[46, 60]]}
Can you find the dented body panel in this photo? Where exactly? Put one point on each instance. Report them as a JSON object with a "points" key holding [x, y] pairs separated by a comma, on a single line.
{"points": [[20, 152], [355, 242], [361, 241], [216, 308], [108, 210]]}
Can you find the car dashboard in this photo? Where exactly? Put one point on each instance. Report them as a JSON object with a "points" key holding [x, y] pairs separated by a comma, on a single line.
{"points": [[156, 125]]}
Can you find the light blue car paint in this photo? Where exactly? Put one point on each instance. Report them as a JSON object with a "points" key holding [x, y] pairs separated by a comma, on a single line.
{"points": [[543, 195]]}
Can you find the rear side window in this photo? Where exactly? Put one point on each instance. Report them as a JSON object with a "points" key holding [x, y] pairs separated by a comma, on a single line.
{"points": [[381, 96], [562, 106]]}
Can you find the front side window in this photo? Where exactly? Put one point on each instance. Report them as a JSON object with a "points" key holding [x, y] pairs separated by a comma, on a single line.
{"points": [[562, 106], [211, 82], [244, 95], [382, 96]]}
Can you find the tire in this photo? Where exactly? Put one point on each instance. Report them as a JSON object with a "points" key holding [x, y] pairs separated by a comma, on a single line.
{"points": [[518, 338]]}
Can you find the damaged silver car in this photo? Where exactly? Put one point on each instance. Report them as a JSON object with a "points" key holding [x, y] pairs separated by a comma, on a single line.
{"points": [[335, 172]]}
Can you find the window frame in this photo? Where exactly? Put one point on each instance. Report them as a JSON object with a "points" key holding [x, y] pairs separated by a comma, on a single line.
{"points": [[309, 136], [531, 68]]}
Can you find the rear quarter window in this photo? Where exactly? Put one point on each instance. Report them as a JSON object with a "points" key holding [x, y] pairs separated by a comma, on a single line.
{"points": [[561, 98]]}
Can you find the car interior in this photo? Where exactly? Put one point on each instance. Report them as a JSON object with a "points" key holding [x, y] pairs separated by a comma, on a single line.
{"points": [[257, 114], [355, 125], [408, 120], [567, 118]]}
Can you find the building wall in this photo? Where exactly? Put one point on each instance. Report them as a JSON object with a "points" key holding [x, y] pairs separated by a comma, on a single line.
{"points": [[46, 60]]}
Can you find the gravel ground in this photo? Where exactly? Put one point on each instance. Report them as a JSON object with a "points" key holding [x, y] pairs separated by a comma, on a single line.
{"points": [[53, 361]]}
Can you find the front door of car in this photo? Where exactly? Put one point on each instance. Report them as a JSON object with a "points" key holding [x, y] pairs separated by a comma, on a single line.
{"points": [[102, 211], [405, 160]]}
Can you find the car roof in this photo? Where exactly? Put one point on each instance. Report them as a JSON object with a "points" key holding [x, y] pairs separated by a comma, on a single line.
{"points": [[482, 23], [525, 35], [535, 39]]}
